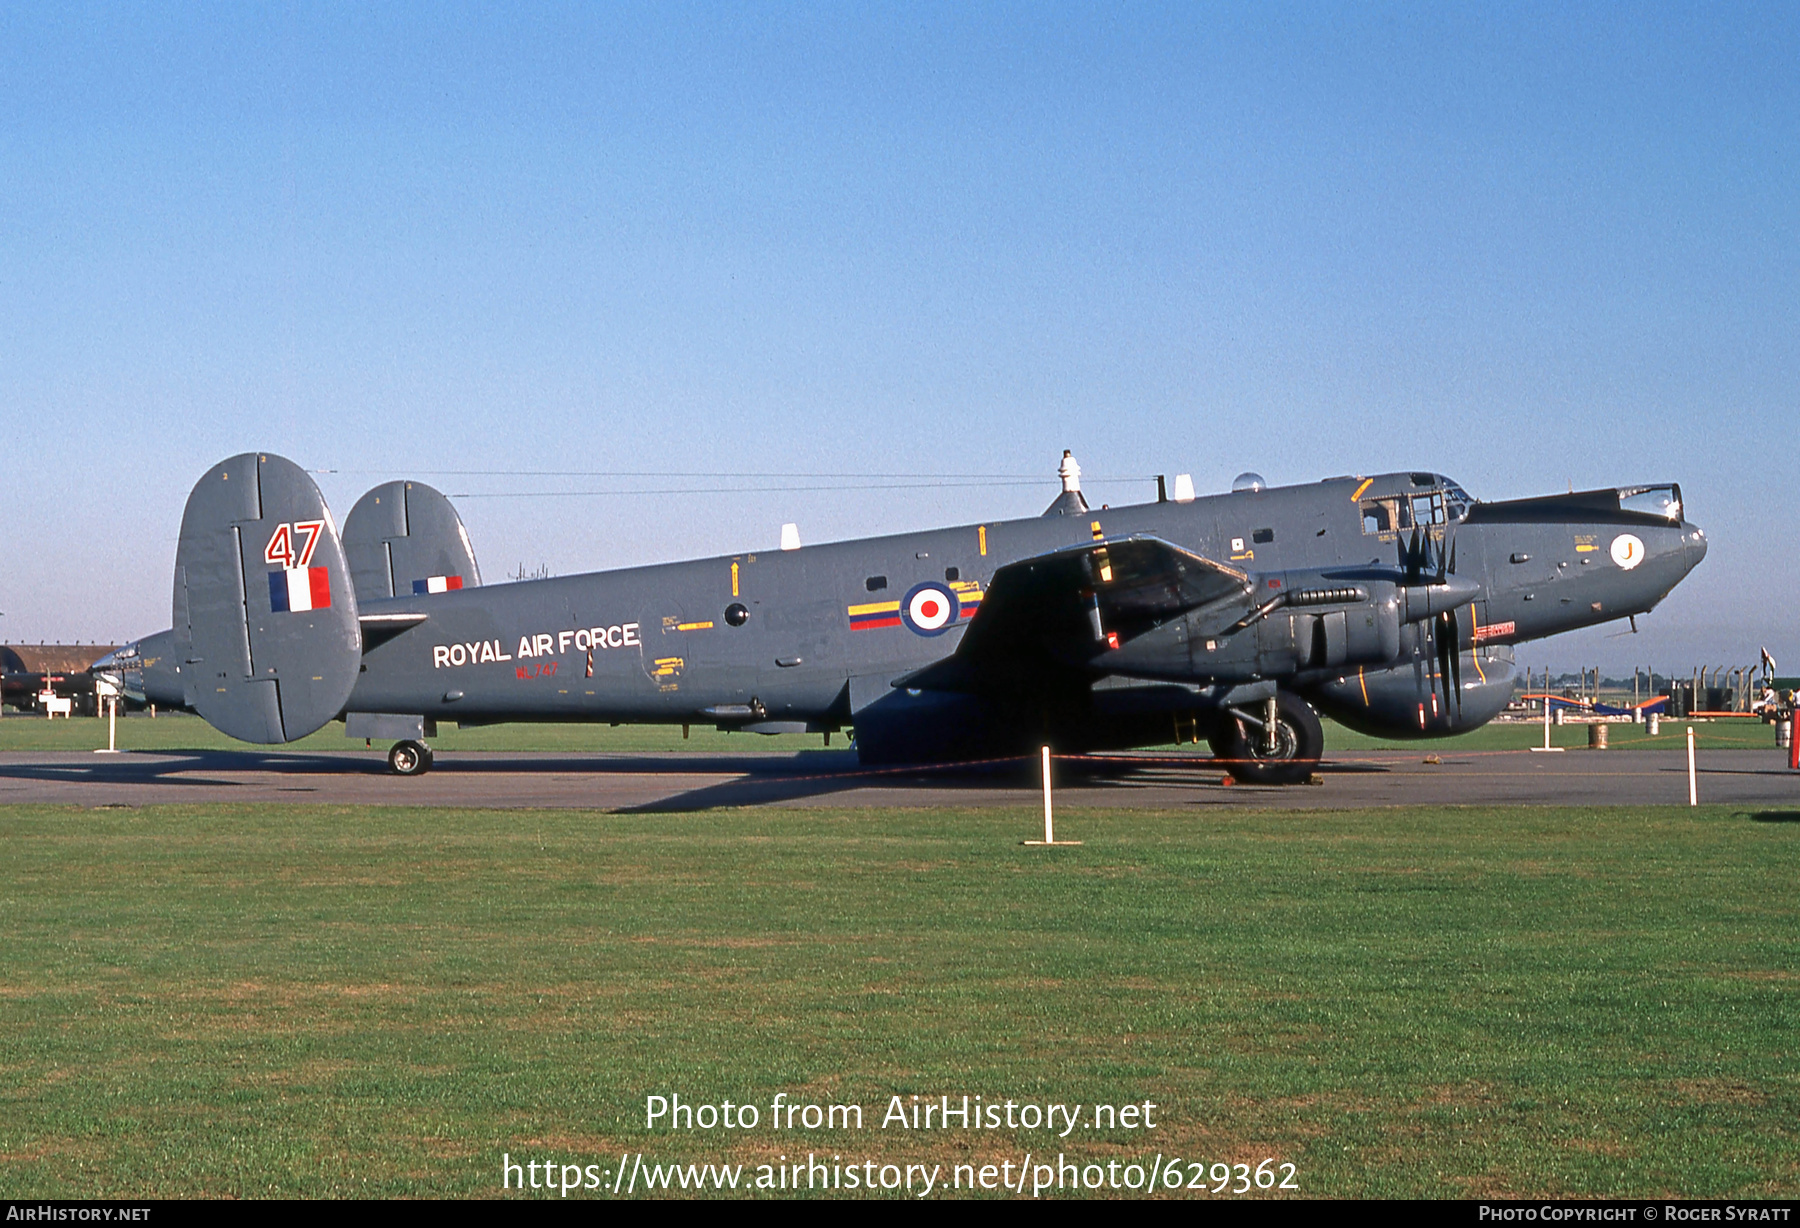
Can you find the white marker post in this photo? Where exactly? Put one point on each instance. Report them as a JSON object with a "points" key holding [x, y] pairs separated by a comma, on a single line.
{"points": [[1546, 745], [110, 698], [1049, 839], [1693, 784]]}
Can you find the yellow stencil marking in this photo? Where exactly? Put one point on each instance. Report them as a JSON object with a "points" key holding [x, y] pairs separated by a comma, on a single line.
{"points": [[1475, 639], [667, 673], [1367, 482], [982, 533], [734, 579], [706, 626], [1095, 526], [1103, 562]]}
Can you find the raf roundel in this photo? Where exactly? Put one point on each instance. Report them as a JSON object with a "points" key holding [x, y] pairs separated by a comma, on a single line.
{"points": [[930, 609]]}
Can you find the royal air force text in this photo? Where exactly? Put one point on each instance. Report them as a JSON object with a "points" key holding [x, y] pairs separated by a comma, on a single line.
{"points": [[541, 644]]}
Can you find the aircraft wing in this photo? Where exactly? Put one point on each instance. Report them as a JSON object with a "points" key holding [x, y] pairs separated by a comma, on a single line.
{"points": [[1055, 613]]}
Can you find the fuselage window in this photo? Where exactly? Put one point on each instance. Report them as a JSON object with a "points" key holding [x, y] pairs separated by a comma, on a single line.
{"points": [[875, 583], [1385, 515], [1263, 536], [952, 575]]}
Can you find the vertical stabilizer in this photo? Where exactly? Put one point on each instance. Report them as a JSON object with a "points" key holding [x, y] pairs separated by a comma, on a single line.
{"points": [[404, 538], [266, 634]]}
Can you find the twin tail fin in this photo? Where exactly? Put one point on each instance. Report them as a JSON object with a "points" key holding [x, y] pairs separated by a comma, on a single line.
{"points": [[265, 615], [404, 539], [267, 597]]}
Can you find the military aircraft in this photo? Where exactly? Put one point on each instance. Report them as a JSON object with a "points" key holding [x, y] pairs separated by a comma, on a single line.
{"points": [[1389, 602]]}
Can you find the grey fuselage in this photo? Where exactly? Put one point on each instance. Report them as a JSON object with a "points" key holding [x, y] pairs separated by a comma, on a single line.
{"points": [[654, 644]]}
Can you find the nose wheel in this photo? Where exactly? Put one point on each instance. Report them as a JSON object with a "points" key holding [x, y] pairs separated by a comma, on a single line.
{"points": [[409, 758]]}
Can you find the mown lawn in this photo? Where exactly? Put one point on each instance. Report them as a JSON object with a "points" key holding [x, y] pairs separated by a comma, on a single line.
{"points": [[313, 1001]]}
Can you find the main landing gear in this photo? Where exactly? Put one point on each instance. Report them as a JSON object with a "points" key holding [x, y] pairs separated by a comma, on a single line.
{"points": [[409, 758], [1256, 755]]}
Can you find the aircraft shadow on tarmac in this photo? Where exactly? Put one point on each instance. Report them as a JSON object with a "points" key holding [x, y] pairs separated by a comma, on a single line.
{"points": [[767, 780], [815, 774], [177, 767], [755, 779]]}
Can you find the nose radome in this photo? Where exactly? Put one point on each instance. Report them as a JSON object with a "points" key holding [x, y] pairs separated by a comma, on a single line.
{"points": [[1696, 547]]}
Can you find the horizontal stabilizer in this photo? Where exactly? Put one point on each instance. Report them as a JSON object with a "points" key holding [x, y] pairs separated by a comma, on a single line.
{"points": [[404, 539], [265, 632], [378, 629]]}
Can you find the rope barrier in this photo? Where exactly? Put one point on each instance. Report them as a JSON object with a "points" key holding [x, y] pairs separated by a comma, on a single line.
{"points": [[1190, 762]]}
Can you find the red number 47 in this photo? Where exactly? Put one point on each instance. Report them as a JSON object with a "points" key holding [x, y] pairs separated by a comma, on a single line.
{"points": [[281, 550]]}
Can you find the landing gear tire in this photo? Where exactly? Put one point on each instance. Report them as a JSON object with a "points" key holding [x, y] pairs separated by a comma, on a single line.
{"points": [[409, 758], [1299, 741]]}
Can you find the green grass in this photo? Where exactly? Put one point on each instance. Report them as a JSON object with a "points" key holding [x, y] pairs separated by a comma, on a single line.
{"points": [[312, 1001], [178, 731]]}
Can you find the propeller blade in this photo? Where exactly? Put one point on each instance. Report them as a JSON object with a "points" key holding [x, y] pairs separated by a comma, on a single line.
{"points": [[1445, 634], [1456, 659], [1421, 683]]}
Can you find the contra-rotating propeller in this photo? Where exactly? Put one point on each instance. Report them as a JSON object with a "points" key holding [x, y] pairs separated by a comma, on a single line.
{"points": [[1423, 566]]}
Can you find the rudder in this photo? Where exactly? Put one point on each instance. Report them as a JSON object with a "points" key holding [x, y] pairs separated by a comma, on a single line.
{"points": [[265, 616]]}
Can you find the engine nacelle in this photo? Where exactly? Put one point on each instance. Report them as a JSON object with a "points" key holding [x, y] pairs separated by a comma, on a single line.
{"points": [[1322, 628], [1401, 702]]}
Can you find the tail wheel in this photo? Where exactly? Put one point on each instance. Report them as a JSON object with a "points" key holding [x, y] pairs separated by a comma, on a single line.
{"points": [[410, 758], [1299, 741]]}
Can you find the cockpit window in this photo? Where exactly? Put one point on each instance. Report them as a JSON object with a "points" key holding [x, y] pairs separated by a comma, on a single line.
{"points": [[1398, 513], [1664, 501], [1428, 509]]}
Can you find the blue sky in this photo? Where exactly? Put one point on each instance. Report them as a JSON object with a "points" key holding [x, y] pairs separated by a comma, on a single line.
{"points": [[1527, 246]]}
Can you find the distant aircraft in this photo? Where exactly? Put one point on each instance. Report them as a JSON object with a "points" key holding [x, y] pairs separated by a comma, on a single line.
{"points": [[1390, 602]]}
